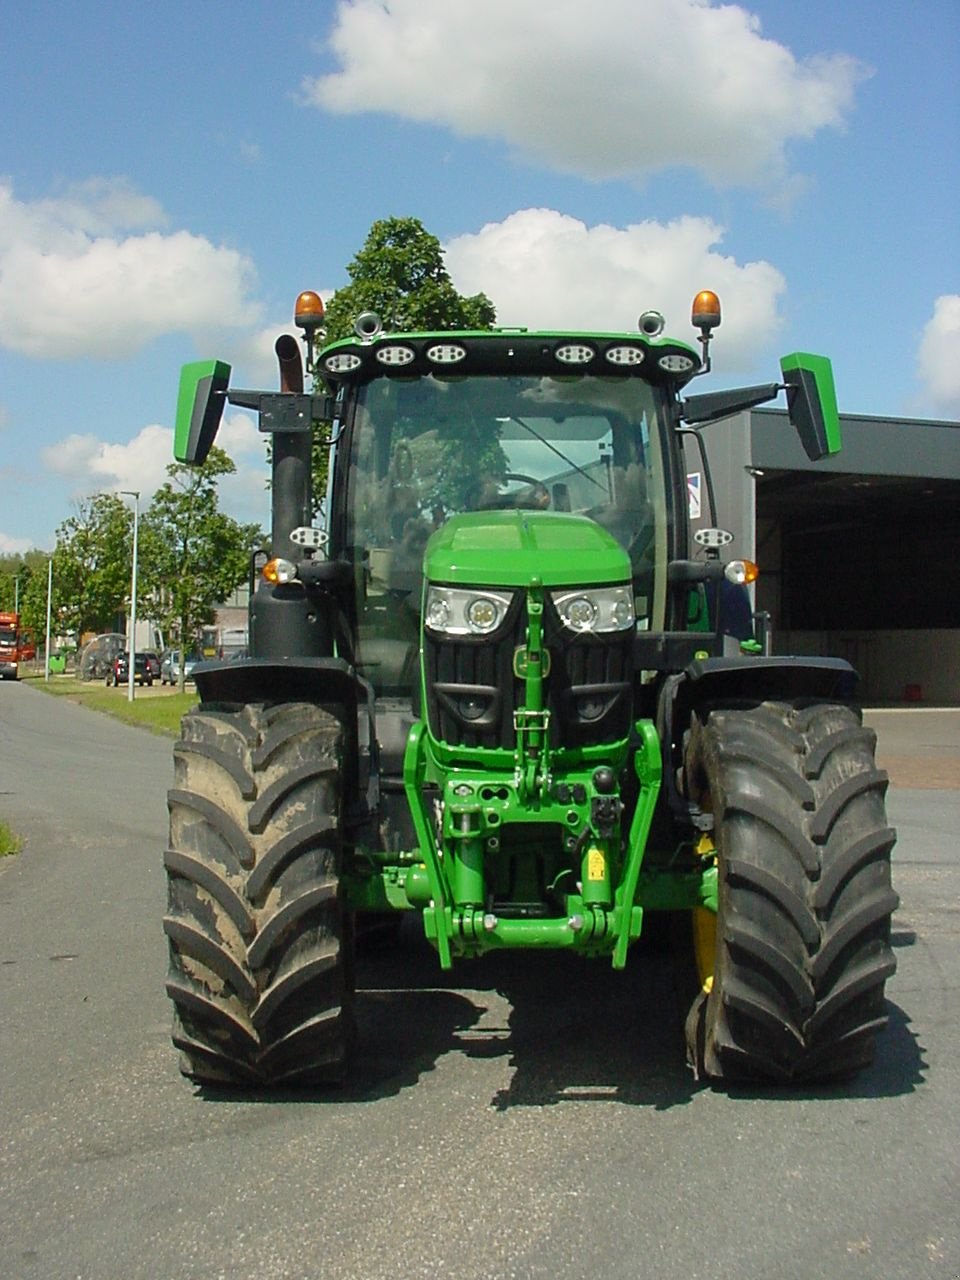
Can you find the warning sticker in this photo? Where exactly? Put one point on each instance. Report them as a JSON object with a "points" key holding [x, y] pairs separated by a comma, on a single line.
{"points": [[596, 865]]}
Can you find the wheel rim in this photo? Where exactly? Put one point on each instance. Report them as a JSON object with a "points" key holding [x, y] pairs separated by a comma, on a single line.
{"points": [[704, 927]]}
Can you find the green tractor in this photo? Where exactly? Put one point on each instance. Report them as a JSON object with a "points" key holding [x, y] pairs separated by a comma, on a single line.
{"points": [[503, 687]]}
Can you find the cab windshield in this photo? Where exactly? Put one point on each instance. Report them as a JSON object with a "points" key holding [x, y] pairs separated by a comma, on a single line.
{"points": [[424, 449]]}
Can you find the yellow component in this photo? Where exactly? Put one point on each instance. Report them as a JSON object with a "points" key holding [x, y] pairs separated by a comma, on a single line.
{"points": [[704, 926], [308, 309], [706, 310], [279, 570], [596, 864], [705, 846]]}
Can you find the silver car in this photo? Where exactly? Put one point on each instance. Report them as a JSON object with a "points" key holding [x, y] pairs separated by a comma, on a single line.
{"points": [[170, 666]]}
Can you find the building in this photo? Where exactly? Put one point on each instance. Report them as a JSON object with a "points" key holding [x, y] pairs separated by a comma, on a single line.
{"points": [[858, 553]]}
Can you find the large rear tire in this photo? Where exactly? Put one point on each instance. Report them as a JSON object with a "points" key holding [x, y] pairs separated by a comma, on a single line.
{"points": [[793, 972], [260, 948]]}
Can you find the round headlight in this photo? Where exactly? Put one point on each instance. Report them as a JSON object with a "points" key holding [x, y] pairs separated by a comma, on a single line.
{"points": [[438, 613], [623, 613], [597, 609], [482, 614], [581, 613]]}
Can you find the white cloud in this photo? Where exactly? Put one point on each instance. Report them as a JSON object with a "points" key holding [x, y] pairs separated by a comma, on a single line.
{"points": [[939, 355], [254, 356], [10, 546], [619, 88], [545, 269], [81, 276], [140, 465], [93, 464]]}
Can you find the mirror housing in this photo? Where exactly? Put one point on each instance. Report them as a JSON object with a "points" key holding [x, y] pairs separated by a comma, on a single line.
{"points": [[723, 404], [812, 403], [200, 401]]}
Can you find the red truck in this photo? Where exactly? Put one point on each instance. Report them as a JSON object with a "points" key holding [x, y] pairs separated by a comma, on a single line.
{"points": [[16, 645]]}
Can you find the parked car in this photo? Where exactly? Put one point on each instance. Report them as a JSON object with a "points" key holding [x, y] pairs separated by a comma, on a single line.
{"points": [[170, 666], [153, 662], [142, 670]]}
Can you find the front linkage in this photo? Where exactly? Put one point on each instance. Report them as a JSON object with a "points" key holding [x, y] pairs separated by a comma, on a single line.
{"points": [[578, 889]]}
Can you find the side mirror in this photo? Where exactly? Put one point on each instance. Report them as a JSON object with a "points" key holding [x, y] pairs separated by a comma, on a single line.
{"points": [[812, 403], [200, 401]]}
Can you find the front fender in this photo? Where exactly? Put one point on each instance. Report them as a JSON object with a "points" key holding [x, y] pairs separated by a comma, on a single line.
{"points": [[321, 680], [745, 679]]}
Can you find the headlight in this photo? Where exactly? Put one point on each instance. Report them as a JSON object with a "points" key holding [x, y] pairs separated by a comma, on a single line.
{"points": [[453, 611], [596, 608]]}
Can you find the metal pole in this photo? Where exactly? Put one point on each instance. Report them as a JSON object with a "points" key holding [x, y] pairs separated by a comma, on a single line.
{"points": [[131, 639], [46, 647]]}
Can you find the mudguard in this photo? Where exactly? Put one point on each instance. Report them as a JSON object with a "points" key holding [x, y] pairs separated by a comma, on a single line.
{"points": [[320, 680], [747, 679]]}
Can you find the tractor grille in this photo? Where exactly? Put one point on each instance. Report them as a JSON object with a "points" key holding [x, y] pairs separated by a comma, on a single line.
{"points": [[472, 691]]}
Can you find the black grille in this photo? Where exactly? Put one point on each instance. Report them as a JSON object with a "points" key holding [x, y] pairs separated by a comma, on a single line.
{"points": [[472, 691]]}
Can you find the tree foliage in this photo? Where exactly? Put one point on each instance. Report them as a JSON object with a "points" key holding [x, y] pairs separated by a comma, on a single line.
{"points": [[400, 274], [23, 583], [92, 564], [193, 555]]}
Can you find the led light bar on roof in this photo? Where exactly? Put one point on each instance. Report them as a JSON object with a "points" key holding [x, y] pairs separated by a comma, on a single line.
{"points": [[446, 353], [676, 363], [395, 355], [574, 353], [624, 355], [342, 362]]}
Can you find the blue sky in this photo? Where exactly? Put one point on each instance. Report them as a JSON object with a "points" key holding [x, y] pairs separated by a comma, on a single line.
{"points": [[173, 174]]}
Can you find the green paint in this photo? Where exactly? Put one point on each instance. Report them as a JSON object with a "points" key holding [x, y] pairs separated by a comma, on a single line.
{"points": [[512, 548]]}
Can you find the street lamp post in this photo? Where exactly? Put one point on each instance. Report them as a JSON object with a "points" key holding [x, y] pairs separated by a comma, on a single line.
{"points": [[46, 647], [131, 639]]}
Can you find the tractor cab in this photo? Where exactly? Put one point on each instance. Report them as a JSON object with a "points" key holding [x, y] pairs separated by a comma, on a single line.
{"points": [[434, 452]]}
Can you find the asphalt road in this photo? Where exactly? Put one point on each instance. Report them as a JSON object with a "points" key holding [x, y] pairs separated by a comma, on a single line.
{"points": [[537, 1121]]}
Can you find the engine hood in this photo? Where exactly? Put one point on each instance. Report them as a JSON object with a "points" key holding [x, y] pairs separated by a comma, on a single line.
{"points": [[521, 548]]}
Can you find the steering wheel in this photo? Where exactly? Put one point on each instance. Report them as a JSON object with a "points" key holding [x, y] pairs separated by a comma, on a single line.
{"points": [[535, 497]]}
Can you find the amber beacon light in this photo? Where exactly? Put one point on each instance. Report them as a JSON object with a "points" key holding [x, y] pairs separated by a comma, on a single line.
{"points": [[705, 315]]}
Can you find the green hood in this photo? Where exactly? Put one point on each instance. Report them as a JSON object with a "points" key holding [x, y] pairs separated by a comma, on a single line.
{"points": [[513, 548]]}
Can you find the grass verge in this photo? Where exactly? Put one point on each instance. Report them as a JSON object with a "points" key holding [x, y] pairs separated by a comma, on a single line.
{"points": [[156, 709], [10, 842]]}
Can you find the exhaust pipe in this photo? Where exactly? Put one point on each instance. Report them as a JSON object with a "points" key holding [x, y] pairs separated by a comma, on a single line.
{"points": [[290, 482], [291, 365]]}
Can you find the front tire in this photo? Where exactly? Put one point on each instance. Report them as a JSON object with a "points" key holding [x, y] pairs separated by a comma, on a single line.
{"points": [[801, 946], [260, 948]]}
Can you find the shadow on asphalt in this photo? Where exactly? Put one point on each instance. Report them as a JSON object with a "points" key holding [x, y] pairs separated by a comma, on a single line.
{"points": [[574, 1030]]}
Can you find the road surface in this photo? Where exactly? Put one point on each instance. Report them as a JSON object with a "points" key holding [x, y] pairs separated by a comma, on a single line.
{"points": [[536, 1120]]}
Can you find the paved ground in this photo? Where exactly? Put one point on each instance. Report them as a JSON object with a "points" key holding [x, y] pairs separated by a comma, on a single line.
{"points": [[513, 1120], [918, 746]]}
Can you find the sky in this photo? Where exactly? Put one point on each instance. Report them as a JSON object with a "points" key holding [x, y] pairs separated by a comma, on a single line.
{"points": [[172, 175]]}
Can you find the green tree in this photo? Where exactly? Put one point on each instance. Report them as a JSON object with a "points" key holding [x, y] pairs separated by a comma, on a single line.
{"points": [[16, 570], [33, 599], [23, 586], [193, 555], [92, 564], [399, 273]]}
